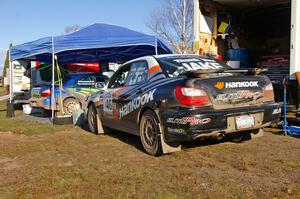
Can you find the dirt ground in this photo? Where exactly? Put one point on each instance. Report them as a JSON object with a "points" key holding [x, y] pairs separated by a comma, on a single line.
{"points": [[78, 164]]}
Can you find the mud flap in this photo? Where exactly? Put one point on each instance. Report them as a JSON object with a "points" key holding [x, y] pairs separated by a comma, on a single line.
{"points": [[257, 135], [167, 148], [100, 130]]}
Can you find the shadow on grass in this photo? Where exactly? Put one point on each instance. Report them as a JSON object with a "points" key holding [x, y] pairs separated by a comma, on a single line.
{"points": [[135, 141], [200, 143], [127, 138]]}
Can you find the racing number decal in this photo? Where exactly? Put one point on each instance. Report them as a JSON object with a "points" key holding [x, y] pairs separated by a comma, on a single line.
{"points": [[110, 108], [108, 105]]}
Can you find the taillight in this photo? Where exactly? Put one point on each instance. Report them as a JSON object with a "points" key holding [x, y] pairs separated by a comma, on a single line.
{"points": [[189, 96], [269, 91], [46, 93]]}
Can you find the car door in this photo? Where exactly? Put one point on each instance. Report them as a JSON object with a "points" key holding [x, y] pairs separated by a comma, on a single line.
{"points": [[130, 99], [109, 112], [123, 97]]}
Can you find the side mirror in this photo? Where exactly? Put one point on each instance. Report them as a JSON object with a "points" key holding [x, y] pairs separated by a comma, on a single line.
{"points": [[99, 85], [109, 73]]}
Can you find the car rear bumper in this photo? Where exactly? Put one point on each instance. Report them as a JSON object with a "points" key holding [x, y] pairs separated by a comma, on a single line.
{"points": [[187, 125], [44, 103]]}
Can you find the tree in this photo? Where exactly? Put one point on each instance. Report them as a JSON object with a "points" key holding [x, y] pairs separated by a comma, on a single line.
{"points": [[6, 63], [174, 23], [71, 29]]}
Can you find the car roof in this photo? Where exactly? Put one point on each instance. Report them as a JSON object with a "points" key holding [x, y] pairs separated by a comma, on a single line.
{"points": [[84, 74], [178, 55]]}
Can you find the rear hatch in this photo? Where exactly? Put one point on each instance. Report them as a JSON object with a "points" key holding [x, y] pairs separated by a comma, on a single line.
{"points": [[227, 90], [39, 91]]}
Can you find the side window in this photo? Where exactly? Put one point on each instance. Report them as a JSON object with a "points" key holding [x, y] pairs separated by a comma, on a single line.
{"points": [[101, 79], [85, 82], [137, 73], [118, 79]]}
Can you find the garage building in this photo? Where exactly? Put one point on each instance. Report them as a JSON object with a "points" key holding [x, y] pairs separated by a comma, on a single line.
{"points": [[253, 34]]}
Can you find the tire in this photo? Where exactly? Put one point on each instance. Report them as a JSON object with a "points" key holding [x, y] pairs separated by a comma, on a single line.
{"points": [[69, 106], [150, 134], [92, 119]]}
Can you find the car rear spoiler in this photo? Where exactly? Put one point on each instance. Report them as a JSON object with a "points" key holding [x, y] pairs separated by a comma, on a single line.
{"points": [[248, 71]]}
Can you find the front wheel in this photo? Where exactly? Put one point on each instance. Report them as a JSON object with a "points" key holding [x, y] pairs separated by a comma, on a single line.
{"points": [[150, 134], [92, 118], [94, 121]]}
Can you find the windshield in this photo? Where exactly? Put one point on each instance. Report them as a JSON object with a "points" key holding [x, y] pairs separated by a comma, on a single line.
{"points": [[176, 65]]}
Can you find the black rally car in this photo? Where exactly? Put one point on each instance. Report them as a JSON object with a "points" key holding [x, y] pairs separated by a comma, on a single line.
{"points": [[167, 99]]}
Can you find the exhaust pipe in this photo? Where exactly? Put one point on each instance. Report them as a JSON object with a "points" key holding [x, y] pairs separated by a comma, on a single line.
{"points": [[219, 136]]}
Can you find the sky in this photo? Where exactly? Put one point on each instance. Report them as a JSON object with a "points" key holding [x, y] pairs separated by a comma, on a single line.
{"points": [[27, 20]]}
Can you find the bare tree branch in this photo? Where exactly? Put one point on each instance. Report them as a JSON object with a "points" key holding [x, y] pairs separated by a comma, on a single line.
{"points": [[174, 23]]}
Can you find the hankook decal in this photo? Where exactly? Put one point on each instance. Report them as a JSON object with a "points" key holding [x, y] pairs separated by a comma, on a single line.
{"points": [[244, 84], [136, 103], [220, 85]]}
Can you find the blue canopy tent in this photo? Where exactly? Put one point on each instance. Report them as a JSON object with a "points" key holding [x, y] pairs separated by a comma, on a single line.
{"points": [[92, 43]]}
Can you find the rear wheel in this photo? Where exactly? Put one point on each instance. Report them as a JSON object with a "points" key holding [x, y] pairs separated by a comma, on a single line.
{"points": [[70, 106], [150, 134]]}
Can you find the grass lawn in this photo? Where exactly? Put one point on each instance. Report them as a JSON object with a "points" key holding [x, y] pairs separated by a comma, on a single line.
{"points": [[45, 161], [24, 127]]}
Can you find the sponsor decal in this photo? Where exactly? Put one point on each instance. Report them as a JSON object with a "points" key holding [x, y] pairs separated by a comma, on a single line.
{"points": [[239, 95], [220, 85], [198, 64], [136, 103], [85, 83], [176, 130], [243, 84], [189, 120]]}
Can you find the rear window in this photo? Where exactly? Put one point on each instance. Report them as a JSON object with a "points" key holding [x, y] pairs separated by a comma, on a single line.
{"points": [[176, 65]]}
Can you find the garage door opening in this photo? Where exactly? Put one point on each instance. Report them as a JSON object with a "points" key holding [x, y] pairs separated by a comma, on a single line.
{"points": [[248, 34]]}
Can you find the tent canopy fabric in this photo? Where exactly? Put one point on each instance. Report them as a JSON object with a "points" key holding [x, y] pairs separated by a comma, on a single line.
{"points": [[92, 43]]}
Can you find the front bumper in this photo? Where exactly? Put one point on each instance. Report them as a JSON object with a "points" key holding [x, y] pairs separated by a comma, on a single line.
{"points": [[188, 125]]}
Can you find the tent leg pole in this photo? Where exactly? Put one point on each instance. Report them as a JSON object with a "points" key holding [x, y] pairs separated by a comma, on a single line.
{"points": [[10, 79], [10, 103], [53, 81], [156, 51]]}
